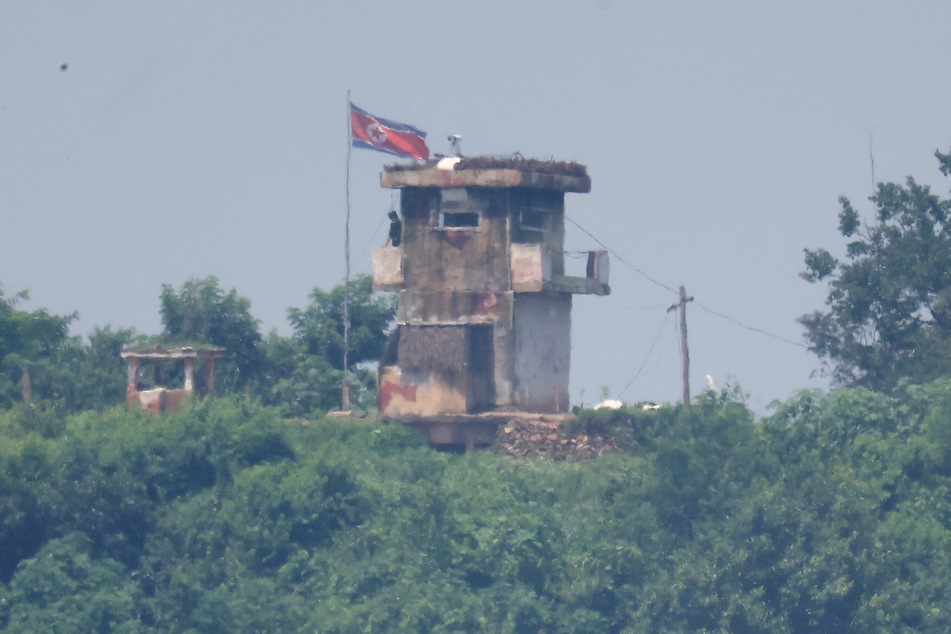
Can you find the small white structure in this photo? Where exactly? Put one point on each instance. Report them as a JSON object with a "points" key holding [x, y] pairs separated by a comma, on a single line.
{"points": [[159, 398]]}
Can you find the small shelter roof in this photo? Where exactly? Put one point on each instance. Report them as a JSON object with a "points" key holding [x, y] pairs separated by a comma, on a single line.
{"points": [[185, 352]]}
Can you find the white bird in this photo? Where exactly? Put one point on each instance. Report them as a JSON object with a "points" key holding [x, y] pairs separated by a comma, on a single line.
{"points": [[711, 386]]}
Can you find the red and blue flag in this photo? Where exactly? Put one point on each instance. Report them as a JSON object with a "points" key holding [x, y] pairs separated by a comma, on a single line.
{"points": [[376, 133]]}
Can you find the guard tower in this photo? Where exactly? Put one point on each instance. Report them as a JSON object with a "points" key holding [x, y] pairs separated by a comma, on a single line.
{"points": [[484, 314], [159, 398]]}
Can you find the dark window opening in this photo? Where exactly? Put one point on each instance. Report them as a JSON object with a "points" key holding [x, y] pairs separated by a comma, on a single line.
{"points": [[464, 219], [535, 219], [456, 210]]}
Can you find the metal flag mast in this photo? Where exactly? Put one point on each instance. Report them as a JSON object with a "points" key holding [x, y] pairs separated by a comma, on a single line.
{"points": [[345, 385], [374, 133]]}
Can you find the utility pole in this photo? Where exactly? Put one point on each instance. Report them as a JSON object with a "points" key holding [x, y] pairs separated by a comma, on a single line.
{"points": [[684, 352]]}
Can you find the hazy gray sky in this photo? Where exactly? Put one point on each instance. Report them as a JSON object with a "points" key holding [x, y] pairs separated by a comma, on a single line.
{"points": [[210, 138]]}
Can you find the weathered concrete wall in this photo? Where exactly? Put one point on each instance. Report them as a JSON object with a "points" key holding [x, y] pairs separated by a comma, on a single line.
{"points": [[466, 259], [438, 369], [504, 274], [157, 400], [424, 306], [537, 204], [542, 358], [387, 269], [490, 178], [402, 394], [503, 351], [531, 267], [433, 306]]}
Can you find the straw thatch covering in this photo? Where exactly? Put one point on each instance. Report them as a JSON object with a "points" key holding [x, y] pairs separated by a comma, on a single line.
{"points": [[440, 349], [513, 162], [517, 162]]}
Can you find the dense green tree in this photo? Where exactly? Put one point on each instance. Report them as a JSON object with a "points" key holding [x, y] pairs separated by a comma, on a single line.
{"points": [[889, 314], [41, 363], [301, 383], [201, 312], [831, 515], [65, 589], [305, 371], [864, 503], [319, 326], [91, 374], [29, 344], [301, 374], [30, 490]]}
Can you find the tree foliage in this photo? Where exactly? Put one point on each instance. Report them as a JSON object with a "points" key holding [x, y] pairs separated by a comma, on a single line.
{"points": [[40, 362], [29, 343], [88, 374], [889, 300], [201, 312], [319, 326], [829, 515], [306, 370]]}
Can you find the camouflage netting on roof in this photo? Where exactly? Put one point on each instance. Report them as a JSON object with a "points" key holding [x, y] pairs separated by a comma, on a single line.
{"points": [[523, 165], [167, 350], [515, 162], [441, 349]]}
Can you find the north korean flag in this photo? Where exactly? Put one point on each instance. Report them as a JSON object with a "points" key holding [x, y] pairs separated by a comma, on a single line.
{"points": [[376, 133]]}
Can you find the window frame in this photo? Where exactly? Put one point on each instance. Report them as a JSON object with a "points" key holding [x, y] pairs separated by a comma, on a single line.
{"points": [[456, 202]]}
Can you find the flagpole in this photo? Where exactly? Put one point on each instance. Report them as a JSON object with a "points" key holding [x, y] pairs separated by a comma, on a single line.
{"points": [[345, 386]]}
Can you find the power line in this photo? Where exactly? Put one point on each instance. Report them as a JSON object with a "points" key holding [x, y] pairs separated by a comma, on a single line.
{"points": [[671, 289], [647, 357], [370, 241], [620, 259], [751, 328]]}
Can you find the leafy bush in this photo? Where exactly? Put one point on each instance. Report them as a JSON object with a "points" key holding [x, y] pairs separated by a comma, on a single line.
{"points": [[829, 515]]}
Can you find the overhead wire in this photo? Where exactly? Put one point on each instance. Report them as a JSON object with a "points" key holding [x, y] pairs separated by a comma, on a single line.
{"points": [[619, 258], [735, 322], [750, 328], [371, 240], [374, 236], [647, 357]]}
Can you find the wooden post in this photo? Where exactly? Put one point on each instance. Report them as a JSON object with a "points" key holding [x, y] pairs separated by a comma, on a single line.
{"points": [[684, 351], [132, 373], [189, 374]]}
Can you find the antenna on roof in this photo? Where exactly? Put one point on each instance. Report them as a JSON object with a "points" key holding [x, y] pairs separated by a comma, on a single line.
{"points": [[454, 144]]}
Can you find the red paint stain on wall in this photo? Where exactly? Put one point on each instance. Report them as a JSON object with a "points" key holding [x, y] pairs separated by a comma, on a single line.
{"points": [[389, 389], [487, 302], [456, 239]]}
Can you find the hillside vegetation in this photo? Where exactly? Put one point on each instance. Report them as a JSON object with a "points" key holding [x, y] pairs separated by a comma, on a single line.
{"points": [[831, 515], [254, 513]]}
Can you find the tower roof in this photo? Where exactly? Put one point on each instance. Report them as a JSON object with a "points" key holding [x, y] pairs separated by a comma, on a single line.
{"points": [[490, 171]]}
